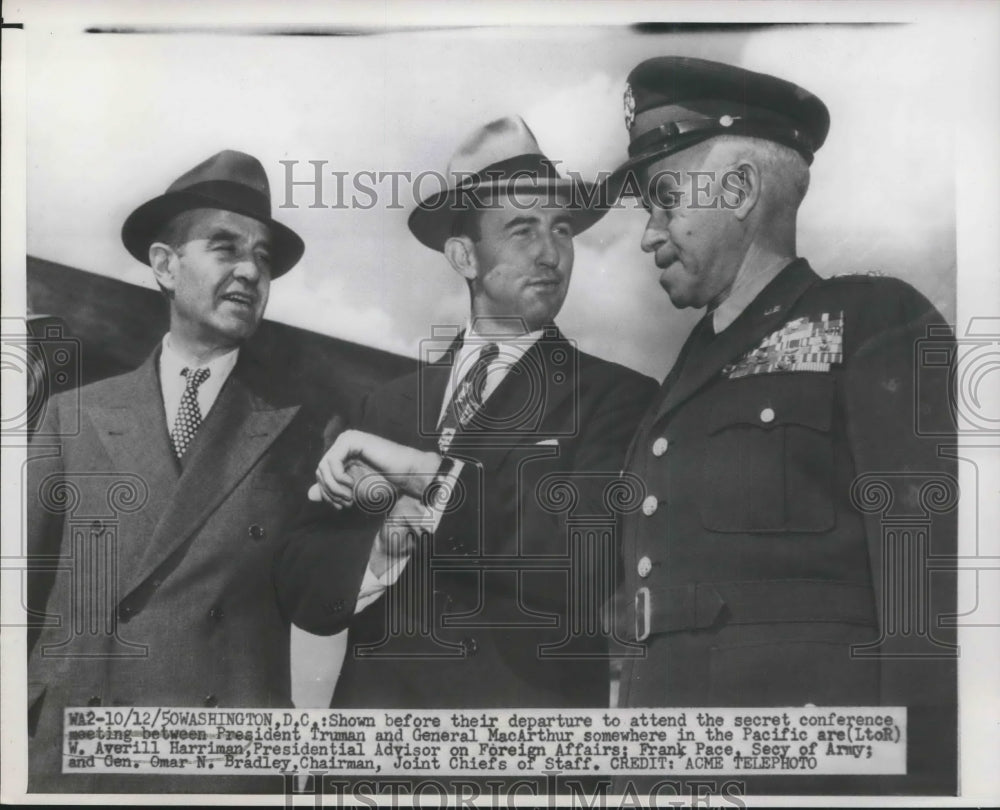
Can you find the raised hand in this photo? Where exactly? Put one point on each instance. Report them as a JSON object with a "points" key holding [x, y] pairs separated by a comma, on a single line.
{"points": [[355, 455]]}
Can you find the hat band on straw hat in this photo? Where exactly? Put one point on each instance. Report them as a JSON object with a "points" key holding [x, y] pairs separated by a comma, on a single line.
{"points": [[519, 167]]}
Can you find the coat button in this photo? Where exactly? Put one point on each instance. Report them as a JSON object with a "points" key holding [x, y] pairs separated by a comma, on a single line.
{"points": [[469, 646], [334, 606], [660, 446], [256, 531], [211, 701], [94, 701], [125, 613], [767, 415], [217, 613], [649, 505], [644, 567]]}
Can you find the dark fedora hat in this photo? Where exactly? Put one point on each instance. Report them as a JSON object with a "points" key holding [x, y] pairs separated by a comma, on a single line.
{"points": [[500, 157], [230, 181], [674, 102]]}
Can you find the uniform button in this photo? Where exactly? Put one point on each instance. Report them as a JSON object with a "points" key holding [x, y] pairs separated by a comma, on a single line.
{"points": [[660, 446], [644, 567], [94, 701], [256, 531], [469, 646], [649, 505], [767, 415], [335, 606], [217, 613], [211, 701]]}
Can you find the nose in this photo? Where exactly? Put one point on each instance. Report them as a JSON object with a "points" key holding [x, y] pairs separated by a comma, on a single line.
{"points": [[248, 269], [653, 236], [548, 252]]}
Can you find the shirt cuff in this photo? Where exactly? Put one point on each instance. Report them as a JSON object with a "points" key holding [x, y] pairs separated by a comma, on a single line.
{"points": [[372, 586], [435, 501]]}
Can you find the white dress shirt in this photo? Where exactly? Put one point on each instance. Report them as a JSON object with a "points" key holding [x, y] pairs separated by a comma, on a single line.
{"points": [[173, 381], [511, 351]]}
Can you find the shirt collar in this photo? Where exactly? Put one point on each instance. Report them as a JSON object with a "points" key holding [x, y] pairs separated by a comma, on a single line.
{"points": [[510, 345], [172, 363]]}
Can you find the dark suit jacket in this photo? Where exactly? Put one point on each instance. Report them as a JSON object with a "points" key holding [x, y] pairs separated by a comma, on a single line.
{"points": [[480, 616], [784, 505], [159, 590]]}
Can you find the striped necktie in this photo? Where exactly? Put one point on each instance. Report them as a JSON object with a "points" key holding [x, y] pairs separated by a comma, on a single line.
{"points": [[468, 397]]}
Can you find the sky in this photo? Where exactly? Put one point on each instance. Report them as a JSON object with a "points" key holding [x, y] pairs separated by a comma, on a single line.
{"points": [[112, 119]]}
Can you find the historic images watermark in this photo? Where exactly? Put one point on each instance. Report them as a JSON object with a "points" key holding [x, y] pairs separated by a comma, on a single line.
{"points": [[315, 184]]}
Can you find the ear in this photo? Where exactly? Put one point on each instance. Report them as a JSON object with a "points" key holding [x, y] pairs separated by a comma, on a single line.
{"points": [[742, 186], [162, 260], [460, 251]]}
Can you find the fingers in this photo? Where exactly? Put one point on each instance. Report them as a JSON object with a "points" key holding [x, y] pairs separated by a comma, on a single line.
{"points": [[335, 483]]}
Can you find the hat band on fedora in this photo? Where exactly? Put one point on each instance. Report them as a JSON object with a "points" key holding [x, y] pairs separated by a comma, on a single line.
{"points": [[232, 196], [519, 167]]}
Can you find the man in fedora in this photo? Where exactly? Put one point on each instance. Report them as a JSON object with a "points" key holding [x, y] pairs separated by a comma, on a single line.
{"points": [[783, 449], [494, 449], [189, 466]]}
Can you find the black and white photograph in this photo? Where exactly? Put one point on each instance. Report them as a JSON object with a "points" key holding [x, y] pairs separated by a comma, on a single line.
{"points": [[416, 404]]}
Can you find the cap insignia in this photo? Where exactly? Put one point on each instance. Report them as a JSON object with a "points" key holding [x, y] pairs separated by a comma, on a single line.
{"points": [[629, 107]]}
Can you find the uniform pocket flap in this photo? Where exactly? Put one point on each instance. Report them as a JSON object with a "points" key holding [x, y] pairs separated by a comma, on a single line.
{"points": [[771, 400]]}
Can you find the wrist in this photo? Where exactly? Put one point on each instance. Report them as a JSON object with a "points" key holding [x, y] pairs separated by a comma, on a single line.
{"points": [[422, 475], [437, 491]]}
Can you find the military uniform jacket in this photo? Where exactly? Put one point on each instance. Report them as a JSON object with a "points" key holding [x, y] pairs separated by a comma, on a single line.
{"points": [[479, 616], [788, 497], [159, 590]]}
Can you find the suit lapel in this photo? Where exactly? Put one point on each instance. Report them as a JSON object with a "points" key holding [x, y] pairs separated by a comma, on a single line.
{"points": [[433, 382], [132, 428], [534, 388], [237, 431], [763, 315], [519, 406]]}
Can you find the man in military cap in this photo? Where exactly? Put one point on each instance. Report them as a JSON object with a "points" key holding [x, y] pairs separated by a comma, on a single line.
{"points": [[757, 568], [193, 463], [493, 447]]}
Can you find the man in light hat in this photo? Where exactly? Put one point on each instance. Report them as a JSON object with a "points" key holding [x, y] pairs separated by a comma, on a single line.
{"points": [[758, 569], [494, 450], [189, 468]]}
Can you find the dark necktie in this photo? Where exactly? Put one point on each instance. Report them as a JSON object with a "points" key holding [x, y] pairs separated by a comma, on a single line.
{"points": [[468, 397], [189, 413]]}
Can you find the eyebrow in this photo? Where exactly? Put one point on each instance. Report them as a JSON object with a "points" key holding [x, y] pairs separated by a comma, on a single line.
{"points": [[532, 220], [224, 235], [518, 221]]}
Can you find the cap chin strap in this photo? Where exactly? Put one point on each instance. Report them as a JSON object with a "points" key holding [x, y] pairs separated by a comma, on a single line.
{"points": [[660, 138]]}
